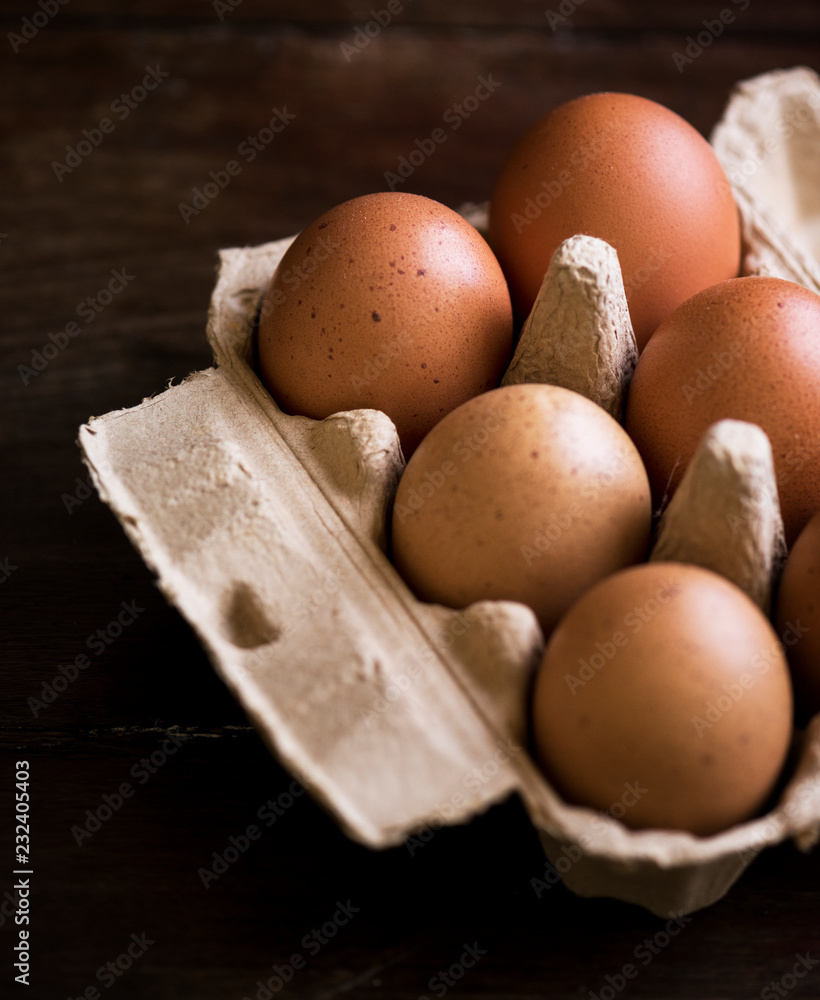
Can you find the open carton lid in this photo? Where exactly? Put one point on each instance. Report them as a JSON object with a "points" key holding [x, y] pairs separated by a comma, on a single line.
{"points": [[267, 532]]}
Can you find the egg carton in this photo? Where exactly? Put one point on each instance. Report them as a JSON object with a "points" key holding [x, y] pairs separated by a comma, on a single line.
{"points": [[268, 533]]}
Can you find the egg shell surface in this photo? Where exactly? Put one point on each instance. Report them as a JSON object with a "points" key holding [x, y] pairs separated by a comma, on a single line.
{"points": [[529, 493], [747, 349], [390, 301], [797, 616], [664, 699], [629, 171]]}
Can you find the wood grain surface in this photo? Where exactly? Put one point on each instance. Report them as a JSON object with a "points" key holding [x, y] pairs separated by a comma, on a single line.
{"points": [[72, 586]]}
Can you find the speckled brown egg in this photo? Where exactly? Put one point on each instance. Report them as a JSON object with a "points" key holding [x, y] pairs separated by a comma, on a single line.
{"points": [[629, 171], [664, 700], [528, 493], [389, 301], [797, 617], [748, 349]]}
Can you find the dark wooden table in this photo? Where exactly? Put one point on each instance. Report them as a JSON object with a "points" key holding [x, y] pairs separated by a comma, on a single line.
{"points": [[100, 240]]}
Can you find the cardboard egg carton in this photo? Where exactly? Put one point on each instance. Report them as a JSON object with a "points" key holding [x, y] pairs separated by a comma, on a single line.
{"points": [[268, 533]]}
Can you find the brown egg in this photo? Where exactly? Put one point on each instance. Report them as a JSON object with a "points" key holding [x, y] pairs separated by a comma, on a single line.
{"points": [[633, 173], [390, 301], [798, 617], [749, 349], [529, 493], [664, 699]]}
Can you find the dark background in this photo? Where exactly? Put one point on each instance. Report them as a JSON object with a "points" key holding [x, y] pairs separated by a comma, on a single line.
{"points": [[68, 565]]}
